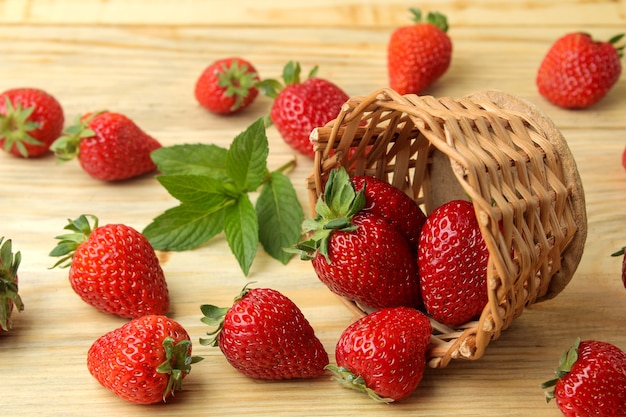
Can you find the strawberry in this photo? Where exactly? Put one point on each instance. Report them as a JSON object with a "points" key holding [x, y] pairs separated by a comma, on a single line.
{"points": [[419, 54], [384, 353], [622, 253], [357, 253], [264, 335], [109, 146], [299, 107], [590, 381], [144, 361], [9, 297], [113, 268], [227, 86], [30, 120], [387, 201], [452, 259], [578, 71]]}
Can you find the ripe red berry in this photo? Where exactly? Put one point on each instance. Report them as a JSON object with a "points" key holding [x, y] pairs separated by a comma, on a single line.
{"points": [[113, 268], [227, 86], [579, 71], [358, 254], [394, 206], [264, 335], [144, 361], [384, 353], [300, 106], [452, 259], [590, 381], [109, 146], [30, 120], [419, 54]]}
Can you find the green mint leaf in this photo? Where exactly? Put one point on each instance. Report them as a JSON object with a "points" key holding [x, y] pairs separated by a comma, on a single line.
{"points": [[242, 231], [246, 160], [196, 189], [280, 217], [184, 227], [192, 159]]}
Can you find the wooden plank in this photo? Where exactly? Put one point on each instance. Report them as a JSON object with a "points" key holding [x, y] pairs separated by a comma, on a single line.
{"points": [[323, 13]]}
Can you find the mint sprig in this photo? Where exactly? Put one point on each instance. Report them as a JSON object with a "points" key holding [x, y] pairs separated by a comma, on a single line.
{"points": [[213, 186]]}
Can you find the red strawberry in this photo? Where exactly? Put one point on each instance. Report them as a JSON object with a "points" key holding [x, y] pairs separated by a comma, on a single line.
{"points": [[578, 71], [227, 85], [624, 158], [591, 381], [452, 259], [113, 268], [9, 297], [384, 353], [144, 361], [264, 335], [388, 201], [358, 254], [419, 54], [109, 146], [30, 120], [299, 107], [622, 253]]}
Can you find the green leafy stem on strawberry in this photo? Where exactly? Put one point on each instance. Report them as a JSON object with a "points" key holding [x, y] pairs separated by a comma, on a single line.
{"points": [[271, 88], [213, 185], [15, 125], [347, 379], [214, 316], [335, 209], [80, 229], [177, 363], [66, 147], [9, 297], [291, 75], [568, 359]]}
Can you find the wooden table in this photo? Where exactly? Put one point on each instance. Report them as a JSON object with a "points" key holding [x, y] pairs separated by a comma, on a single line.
{"points": [[142, 58]]}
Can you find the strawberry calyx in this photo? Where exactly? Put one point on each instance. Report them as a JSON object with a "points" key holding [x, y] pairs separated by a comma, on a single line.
{"points": [[177, 363], [567, 361], [238, 80], [9, 264], [291, 75], [15, 127], [66, 147], [81, 228], [356, 382], [334, 209], [619, 252], [214, 316], [619, 48], [434, 18]]}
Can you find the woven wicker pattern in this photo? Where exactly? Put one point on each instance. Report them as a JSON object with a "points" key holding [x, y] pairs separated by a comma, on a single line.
{"points": [[493, 149]]}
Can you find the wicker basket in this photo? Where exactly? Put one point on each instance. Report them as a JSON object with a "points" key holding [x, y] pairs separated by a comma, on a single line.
{"points": [[492, 148]]}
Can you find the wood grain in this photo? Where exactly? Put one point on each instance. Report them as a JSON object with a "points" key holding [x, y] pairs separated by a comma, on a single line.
{"points": [[142, 58]]}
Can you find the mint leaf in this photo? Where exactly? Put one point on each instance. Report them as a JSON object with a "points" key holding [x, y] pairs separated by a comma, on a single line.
{"points": [[242, 231], [213, 186], [193, 159], [196, 189], [280, 217], [184, 227], [246, 160]]}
